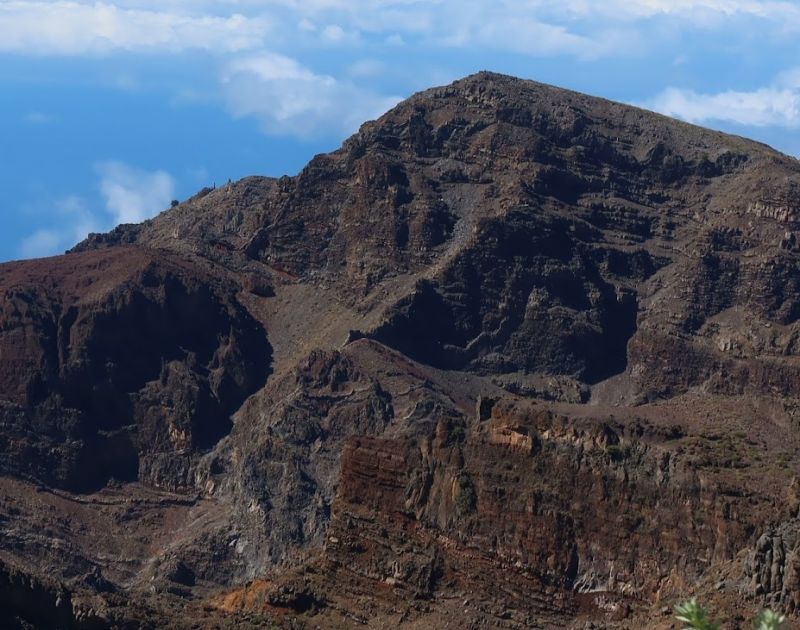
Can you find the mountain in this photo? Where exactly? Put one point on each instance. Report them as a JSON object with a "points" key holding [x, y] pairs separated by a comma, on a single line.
{"points": [[512, 356]]}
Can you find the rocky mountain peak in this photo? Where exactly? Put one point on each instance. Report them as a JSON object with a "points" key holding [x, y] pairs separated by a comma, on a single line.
{"points": [[512, 355]]}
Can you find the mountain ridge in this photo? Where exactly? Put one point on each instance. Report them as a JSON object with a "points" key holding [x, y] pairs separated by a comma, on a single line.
{"points": [[504, 326]]}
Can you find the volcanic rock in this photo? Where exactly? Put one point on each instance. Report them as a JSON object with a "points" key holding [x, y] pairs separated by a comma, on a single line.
{"points": [[512, 356]]}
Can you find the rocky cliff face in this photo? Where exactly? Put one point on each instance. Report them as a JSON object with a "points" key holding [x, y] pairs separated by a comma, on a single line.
{"points": [[511, 356], [120, 364]]}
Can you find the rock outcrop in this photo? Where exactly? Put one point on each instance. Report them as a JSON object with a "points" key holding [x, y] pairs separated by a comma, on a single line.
{"points": [[120, 364]]}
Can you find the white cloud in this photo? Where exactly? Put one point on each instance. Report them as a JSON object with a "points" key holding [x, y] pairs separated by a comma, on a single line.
{"points": [[774, 105], [756, 8], [542, 27], [74, 223], [506, 25], [41, 243], [77, 28], [133, 195], [435, 17], [698, 12], [289, 99], [334, 33], [533, 37], [130, 195]]}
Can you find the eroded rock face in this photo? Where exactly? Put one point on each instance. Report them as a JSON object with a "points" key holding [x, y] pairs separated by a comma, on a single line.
{"points": [[28, 601], [549, 504], [512, 356], [526, 296], [121, 364], [507, 226], [774, 566]]}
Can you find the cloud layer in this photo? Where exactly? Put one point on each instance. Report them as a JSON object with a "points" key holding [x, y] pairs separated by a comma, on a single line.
{"points": [[775, 105], [289, 99], [543, 27], [78, 28], [133, 195]]}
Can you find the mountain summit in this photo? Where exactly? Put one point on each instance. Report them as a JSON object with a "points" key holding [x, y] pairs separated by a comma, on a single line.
{"points": [[512, 355]]}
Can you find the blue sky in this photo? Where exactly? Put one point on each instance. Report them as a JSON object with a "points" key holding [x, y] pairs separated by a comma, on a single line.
{"points": [[109, 110]]}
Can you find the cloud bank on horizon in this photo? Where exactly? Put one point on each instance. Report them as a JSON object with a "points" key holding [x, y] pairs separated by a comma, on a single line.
{"points": [[279, 78]]}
